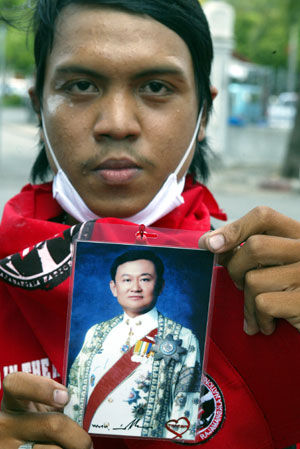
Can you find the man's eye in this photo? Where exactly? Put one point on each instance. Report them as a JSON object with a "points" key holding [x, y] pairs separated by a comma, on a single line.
{"points": [[156, 88], [146, 279], [81, 87]]}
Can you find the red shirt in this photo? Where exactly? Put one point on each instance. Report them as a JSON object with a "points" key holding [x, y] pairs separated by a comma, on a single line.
{"points": [[253, 381]]}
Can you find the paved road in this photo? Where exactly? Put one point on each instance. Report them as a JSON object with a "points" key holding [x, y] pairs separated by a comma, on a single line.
{"points": [[237, 189], [241, 188]]}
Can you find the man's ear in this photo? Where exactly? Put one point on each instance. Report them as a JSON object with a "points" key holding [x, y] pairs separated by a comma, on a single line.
{"points": [[35, 102], [113, 288], [214, 92], [36, 105], [202, 130]]}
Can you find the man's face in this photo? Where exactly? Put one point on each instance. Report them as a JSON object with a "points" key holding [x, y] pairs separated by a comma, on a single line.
{"points": [[134, 286], [120, 106]]}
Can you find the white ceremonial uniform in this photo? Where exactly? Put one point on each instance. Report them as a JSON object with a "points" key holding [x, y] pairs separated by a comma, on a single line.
{"points": [[110, 417], [156, 399]]}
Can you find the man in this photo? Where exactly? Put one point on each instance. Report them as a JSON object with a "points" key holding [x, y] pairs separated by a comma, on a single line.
{"points": [[129, 360], [121, 87]]}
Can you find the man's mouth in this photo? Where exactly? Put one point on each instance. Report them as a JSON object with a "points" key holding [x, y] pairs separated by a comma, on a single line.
{"points": [[118, 171], [136, 297]]}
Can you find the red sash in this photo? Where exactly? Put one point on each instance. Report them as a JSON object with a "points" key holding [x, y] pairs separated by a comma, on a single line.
{"points": [[117, 374]]}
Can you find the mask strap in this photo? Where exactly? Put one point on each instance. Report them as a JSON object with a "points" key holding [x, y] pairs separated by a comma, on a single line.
{"points": [[48, 142], [183, 160]]}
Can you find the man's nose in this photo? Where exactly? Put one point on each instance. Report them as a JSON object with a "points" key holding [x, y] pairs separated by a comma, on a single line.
{"points": [[118, 117], [136, 286]]}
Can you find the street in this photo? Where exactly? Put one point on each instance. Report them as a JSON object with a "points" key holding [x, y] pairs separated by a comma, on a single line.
{"points": [[241, 188], [236, 186]]}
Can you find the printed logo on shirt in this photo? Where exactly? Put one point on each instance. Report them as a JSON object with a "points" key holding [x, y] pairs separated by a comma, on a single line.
{"points": [[212, 411], [41, 267]]}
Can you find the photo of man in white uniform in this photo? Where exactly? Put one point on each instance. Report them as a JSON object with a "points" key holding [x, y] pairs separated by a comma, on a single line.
{"points": [[137, 374]]}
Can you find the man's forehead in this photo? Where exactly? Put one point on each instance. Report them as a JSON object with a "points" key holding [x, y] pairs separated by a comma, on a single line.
{"points": [[114, 42], [138, 266], [70, 18]]}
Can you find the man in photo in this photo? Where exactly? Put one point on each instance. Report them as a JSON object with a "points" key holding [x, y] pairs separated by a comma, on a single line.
{"points": [[137, 374]]}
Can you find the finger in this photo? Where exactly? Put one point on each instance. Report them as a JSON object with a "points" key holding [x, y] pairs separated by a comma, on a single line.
{"points": [[43, 446], [261, 220], [272, 279], [251, 326], [277, 305], [262, 250], [22, 390], [53, 428], [266, 280]]}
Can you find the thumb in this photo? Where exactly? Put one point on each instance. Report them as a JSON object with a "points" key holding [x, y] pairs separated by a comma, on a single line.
{"points": [[20, 390], [260, 220], [213, 241]]}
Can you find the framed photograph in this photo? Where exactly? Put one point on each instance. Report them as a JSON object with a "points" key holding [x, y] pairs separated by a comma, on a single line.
{"points": [[138, 323]]}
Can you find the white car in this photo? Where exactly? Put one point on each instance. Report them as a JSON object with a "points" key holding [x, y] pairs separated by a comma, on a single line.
{"points": [[282, 110]]}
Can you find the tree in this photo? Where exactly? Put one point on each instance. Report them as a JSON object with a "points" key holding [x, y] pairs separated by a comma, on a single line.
{"points": [[262, 30], [19, 52], [291, 164], [267, 34], [19, 47]]}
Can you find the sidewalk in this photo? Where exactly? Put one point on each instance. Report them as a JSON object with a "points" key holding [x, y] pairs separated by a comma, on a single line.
{"points": [[239, 189]]}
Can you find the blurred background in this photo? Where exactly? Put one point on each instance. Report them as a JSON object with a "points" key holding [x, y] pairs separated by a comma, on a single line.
{"points": [[254, 132]]}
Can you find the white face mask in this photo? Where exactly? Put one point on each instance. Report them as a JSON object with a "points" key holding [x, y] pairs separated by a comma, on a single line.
{"points": [[167, 198]]}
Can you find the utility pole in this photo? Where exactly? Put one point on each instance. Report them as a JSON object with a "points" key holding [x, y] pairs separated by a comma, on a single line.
{"points": [[293, 57], [221, 17]]}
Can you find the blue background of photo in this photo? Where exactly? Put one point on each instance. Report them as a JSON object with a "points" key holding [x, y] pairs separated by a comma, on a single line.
{"points": [[185, 297]]}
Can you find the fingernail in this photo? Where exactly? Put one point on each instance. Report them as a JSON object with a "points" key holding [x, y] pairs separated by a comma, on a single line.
{"points": [[267, 331], [60, 397], [216, 242], [250, 330]]}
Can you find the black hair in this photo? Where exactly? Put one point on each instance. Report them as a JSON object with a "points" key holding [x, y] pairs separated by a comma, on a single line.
{"points": [[185, 17], [132, 255]]}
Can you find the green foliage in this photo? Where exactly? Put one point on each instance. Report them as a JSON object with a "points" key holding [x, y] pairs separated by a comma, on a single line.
{"points": [[19, 52], [19, 46], [262, 29], [12, 100]]}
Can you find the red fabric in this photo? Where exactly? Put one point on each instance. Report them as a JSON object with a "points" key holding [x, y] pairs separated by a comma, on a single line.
{"points": [[258, 376], [269, 366], [115, 376]]}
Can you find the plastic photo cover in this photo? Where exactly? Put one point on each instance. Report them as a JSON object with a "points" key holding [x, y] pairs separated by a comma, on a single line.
{"points": [[138, 324]]}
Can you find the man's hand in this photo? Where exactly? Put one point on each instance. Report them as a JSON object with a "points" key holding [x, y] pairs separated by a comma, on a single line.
{"points": [[32, 411], [261, 252]]}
